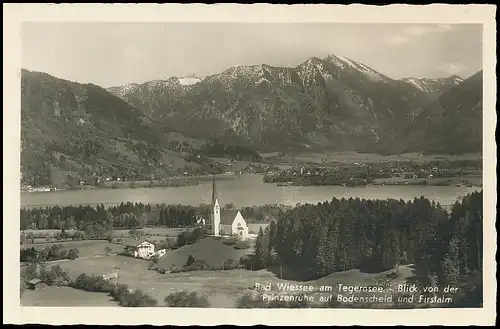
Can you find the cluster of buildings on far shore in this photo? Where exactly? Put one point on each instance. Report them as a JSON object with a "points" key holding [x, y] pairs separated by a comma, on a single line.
{"points": [[29, 188]]}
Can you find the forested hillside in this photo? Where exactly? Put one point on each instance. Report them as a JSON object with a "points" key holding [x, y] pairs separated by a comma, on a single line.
{"points": [[453, 123], [374, 236], [72, 133]]}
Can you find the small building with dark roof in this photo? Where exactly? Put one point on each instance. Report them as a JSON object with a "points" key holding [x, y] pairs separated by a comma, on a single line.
{"points": [[37, 284]]}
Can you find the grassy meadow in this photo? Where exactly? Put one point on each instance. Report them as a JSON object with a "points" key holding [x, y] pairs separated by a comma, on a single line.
{"points": [[211, 250], [152, 231], [222, 287], [65, 297]]}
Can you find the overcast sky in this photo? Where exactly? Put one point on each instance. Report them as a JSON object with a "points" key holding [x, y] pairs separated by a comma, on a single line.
{"points": [[111, 54]]}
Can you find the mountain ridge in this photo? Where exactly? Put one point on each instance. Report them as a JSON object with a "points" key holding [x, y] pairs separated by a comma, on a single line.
{"points": [[340, 99], [435, 86], [453, 122], [72, 132], [334, 103]]}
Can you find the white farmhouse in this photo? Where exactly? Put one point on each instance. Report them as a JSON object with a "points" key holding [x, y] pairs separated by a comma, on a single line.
{"points": [[145, 249]]}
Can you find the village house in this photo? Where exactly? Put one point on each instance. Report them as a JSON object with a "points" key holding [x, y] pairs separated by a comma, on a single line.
{"points": [[37, 284], [144, 249]]}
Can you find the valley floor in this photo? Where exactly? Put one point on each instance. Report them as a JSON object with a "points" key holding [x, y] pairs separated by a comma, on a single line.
{"points": [[222, 288]]}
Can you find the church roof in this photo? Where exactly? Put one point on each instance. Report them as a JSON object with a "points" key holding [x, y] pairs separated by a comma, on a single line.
{"points": [[227, 216]]}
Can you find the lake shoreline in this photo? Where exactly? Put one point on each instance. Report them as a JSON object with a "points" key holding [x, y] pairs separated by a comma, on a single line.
{"points": [[241, 190], [177, 181], [388, 183]]}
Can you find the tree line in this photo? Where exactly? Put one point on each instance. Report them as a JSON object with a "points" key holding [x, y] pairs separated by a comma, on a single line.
{"points": [[46, 254], [95, 222], [120, 292], [127, 297], [377, 235]]}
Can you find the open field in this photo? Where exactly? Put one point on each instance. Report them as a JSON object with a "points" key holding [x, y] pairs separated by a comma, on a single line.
{"points": [[130, 268], [208, 249], [153, 231], [48, 232], [223, 288], [153, 234], [87, 248], [64, 297]]}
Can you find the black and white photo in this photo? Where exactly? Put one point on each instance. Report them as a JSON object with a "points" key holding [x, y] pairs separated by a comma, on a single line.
{"points": [[245, 165]]}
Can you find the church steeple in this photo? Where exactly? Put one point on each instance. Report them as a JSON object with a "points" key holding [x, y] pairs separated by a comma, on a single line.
{"points": [[215, 222], [214, 192]]}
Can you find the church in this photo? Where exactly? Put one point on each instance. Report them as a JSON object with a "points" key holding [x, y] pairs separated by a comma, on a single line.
{"points": [[226, 222]]}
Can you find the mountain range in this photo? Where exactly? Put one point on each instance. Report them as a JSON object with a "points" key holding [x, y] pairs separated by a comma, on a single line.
{"points": [[334, 103], [157, 127]]}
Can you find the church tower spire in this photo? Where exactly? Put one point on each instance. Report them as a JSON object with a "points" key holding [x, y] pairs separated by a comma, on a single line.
{"points": [[215, 222], [214, 192]]}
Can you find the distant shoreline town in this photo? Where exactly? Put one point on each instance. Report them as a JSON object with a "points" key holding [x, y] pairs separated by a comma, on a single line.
{"points": [[433, 173]]}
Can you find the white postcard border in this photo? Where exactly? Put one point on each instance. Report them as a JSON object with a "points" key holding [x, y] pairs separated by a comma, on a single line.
{"points": [[15, 14]]}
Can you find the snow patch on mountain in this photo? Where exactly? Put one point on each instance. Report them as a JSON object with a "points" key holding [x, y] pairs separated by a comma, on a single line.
{"points": [[252, 73], [157, 84], [370, 73], [336, 61], [433, 85], [417, 83], [262, 80], [348, 61], [189, 80], [123, 90], [344, 62], [308, 70]]}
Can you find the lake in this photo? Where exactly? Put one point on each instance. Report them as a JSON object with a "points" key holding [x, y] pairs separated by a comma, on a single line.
{"points": [[242, 190]]}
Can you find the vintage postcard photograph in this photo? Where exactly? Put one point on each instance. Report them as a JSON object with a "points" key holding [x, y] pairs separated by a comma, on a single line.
{"points": [[181, 159]]}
